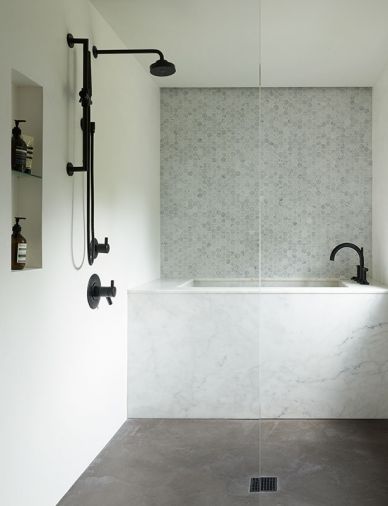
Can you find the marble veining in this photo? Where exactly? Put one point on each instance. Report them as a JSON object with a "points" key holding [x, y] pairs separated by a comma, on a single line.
{"points": [[190, 357], [324, 356], [249, 355]]}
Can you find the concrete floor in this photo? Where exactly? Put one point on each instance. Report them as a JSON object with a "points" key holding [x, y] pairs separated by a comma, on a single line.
{"points": [[209, 462]]}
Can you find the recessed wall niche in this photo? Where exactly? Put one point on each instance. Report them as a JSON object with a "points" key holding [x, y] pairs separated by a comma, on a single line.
{"points": [[27, 104]]}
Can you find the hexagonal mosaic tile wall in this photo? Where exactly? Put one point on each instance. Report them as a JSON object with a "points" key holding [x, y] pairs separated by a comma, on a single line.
{"points": [[269, 179]]}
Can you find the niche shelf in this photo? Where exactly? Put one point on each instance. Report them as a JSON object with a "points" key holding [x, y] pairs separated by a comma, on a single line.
{"points": [[27, 104]]}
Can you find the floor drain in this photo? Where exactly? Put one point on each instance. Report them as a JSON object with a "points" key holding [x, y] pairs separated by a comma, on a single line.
{"points": [[264, 484]]}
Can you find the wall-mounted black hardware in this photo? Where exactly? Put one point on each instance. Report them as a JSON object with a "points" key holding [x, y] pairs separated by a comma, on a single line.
{"points": [[361, 269], [88, 128], [160, 68], [96, 291], [100, 248]]}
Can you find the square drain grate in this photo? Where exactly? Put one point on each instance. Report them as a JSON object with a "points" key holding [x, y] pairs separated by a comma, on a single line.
{"points": [[263, 484]]}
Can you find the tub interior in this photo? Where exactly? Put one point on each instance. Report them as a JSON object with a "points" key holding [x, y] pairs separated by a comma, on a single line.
{"points": [[256, 283]]}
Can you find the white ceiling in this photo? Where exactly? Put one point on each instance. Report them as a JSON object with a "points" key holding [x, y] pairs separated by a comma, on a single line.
{"points": [[216, 42]]}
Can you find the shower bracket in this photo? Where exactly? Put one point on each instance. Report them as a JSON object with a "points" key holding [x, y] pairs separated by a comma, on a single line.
{"points": [[70, 169], [100, 247]]}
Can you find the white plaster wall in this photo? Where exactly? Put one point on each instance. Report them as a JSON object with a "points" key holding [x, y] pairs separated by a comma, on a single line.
{"points": [[380, 178], [62, 365]]}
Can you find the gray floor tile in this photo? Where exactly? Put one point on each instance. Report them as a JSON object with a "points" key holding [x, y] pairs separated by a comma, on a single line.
{"points": [[209, 462]]}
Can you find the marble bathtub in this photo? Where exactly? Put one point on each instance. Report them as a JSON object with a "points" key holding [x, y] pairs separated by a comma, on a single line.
{"points": [[265, 283], [235, 349]]}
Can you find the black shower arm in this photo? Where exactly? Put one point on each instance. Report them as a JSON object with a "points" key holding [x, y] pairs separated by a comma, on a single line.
{"points": [[96, 51]]}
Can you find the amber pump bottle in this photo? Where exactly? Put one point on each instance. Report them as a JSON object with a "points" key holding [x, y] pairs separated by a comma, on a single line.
{"points": [[18, 247], [19, 148]]}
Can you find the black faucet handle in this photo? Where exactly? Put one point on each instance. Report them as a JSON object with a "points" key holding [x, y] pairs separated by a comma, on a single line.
{"points": [[104, 248], [107, 291], [100, 248], [112, 290], [96, 291], [361, 275], [362, 278]]}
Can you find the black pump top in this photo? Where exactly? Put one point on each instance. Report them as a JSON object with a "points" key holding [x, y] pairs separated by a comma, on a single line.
{"points": [[16, 130], [17, 228]]}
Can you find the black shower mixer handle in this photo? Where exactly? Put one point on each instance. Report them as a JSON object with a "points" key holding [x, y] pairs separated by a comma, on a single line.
{"points": [[107, 291], [96, 291]]}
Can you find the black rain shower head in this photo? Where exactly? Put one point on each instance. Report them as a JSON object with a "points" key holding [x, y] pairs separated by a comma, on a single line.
{"points": [[161, 68]]}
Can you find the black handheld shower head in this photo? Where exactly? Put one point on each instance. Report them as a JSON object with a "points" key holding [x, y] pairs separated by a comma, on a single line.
{"points": [[161, 68]]}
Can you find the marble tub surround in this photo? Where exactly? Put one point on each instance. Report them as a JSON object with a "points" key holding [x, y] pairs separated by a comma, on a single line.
{"points": [[324, 356], [193, 356], [281, 171], [257, 352], [250, 285]]}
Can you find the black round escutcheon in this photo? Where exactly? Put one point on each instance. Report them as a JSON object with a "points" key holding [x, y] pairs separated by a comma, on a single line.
{"points": [[93, 299]]}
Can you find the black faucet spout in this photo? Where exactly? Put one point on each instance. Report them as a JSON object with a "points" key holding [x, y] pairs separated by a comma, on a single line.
{"points": [[360, 251], [361, 269]]}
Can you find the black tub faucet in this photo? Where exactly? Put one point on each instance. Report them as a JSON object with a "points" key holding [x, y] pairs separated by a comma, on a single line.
{"points": [[361, 269]]}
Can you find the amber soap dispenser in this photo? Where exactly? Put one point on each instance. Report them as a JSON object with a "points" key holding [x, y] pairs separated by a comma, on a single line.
{"points": [[19, 148], [18, 247]]}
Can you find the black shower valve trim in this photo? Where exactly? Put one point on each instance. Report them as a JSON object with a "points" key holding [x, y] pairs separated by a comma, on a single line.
{"points": [[100, 247], [95, 291]]}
